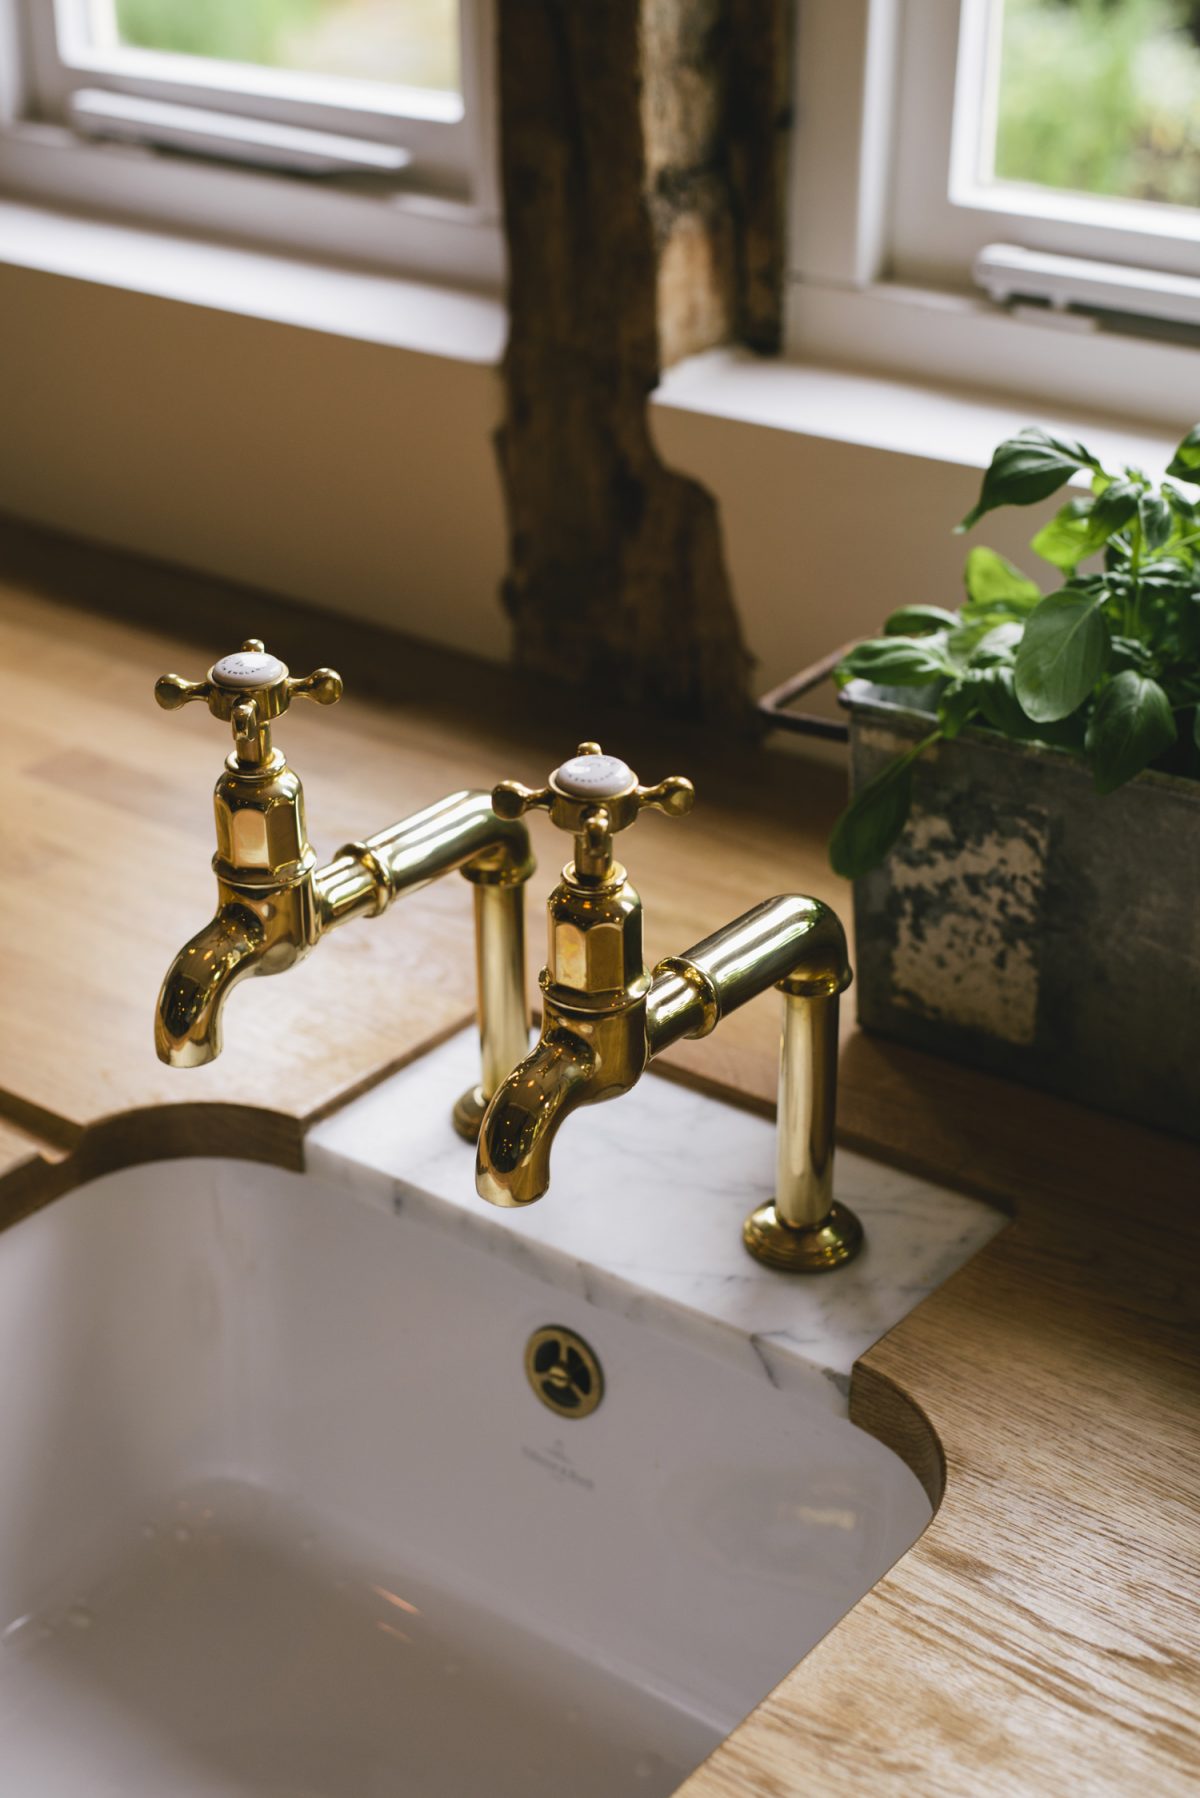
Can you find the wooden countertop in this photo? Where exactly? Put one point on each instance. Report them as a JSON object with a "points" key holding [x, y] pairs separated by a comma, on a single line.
{"points": [[1044, 1633]]}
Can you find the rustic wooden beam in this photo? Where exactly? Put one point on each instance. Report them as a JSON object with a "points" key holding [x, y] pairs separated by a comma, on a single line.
{"points": [[613, 190], [684, 47], [758, 118]]}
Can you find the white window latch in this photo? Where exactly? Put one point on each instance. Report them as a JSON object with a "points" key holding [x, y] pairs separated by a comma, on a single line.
{"points": [[96, 112]]}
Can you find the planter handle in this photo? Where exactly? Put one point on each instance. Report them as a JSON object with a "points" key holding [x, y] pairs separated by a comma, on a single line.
{"points": [[774, 705]]}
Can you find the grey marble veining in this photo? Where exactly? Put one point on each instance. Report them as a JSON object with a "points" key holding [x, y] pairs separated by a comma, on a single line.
{"points": [[645, 1211]]}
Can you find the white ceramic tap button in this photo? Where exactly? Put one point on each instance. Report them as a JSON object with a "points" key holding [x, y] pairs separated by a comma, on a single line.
{"points": [[248, 668], [594, 776]]}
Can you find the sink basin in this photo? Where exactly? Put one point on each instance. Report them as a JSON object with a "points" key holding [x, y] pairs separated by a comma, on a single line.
{"points": [[283, 1514]]}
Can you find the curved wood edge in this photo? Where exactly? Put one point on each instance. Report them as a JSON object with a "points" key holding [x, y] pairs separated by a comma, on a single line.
{"points": [[156, 1132], [882, 1408], [151, 1133]]}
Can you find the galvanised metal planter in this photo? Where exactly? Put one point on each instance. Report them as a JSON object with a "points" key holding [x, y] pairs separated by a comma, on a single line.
{"points": [[1025, 925]]}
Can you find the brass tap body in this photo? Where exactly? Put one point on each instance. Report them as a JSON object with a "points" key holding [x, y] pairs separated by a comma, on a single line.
{"points": [[604, 1017], [274, 903]]}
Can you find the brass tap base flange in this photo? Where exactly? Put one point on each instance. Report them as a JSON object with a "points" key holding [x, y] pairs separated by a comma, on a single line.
{"points": [[468, 1113], [813, 1249]]}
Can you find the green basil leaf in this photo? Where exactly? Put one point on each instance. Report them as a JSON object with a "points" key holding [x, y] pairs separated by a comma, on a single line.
{"points": [[913, 621], [1156, 520], [958, 704], [992, 635], [1128, 652], [1174, 580], [992, 582], [1026, 468], [1113, 509], [1000, 708], [1196, 727], [1074, 533], [1063, 733], [873, 820], [1062, 655], [999, 703], [999, 645], [1187, 627], [896, 662], [962, 642], [1185, 463], [1180, 504], [1132, 723]]}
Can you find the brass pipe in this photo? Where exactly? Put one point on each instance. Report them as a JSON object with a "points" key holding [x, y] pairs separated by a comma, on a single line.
{"points": [[681, 1002], [788, 938], [500, 960], [803, 1229], [458, 832], [798, 945], [500, 982], [807, 1110]]}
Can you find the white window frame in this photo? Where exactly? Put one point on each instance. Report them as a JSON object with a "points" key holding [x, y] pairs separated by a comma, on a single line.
{"points": [[938, 124], [438, 218], [887, 217]]}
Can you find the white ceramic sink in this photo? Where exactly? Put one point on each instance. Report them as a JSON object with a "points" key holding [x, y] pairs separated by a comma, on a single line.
{"points": [[281, 1515]]}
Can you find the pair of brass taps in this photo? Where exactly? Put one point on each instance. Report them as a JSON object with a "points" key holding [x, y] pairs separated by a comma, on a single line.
{"points": [[604, 1015]]}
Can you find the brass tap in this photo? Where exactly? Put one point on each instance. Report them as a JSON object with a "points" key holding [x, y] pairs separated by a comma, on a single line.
{"points": [[604, 1017], [274, 903]]}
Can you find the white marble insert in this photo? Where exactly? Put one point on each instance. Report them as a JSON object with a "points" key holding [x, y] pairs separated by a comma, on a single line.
{"points": [[644, 1216]]}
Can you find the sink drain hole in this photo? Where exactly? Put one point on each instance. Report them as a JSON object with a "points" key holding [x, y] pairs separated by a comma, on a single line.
{"points": [[563, 1371]]}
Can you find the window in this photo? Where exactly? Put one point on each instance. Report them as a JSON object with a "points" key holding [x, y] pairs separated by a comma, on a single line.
{"points": [[384, 106], [1043, 152], [1090, 98], [1069, 126]]}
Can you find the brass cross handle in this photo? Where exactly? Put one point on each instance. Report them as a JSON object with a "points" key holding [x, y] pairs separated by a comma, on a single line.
{"points": [[248, 689], [593, 795]]}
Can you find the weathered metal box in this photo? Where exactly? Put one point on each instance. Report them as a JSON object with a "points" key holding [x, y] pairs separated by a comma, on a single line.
{"points": [[1025, 925]]}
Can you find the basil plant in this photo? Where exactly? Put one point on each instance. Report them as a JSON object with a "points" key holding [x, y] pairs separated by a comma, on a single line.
{"points": [[1106, 666]]}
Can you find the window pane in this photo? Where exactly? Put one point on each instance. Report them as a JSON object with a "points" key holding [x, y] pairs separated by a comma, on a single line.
{"points": [[412, 43], [1101, 97]]}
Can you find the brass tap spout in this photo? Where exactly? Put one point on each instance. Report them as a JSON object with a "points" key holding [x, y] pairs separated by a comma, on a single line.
{"points": [[274, 903], [513, 1165], [593, 1038], [266, 918], [187, 1024], [605, 1018]]}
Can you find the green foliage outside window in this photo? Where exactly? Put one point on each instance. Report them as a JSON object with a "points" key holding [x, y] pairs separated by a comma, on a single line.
{"points": [[1102, 97], [231, 30], [410, 42]]}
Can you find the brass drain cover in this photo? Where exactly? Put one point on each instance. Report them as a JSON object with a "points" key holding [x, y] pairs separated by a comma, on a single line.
{"points": [[563, 1371]]}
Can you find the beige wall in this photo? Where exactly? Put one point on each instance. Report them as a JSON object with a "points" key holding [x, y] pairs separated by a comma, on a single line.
{"points": [[350, 474], [825, 538], [363, 478]]}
